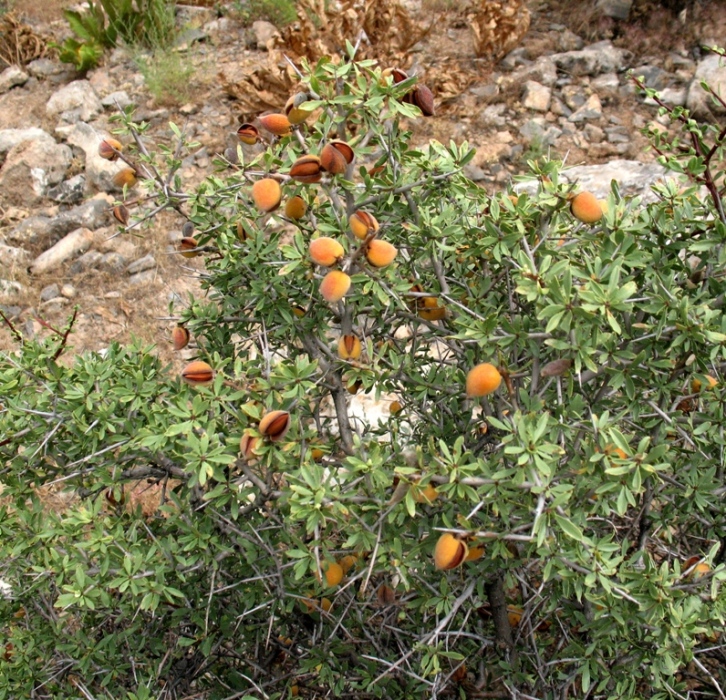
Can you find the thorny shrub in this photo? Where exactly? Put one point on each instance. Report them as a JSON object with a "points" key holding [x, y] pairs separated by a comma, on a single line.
{"points": [[590, 484]]}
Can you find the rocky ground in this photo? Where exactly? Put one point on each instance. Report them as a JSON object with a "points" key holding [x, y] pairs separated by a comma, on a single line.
{"points": [[564, 92]]}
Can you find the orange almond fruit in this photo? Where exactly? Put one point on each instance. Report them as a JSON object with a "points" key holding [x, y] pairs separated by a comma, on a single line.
{"points": [[381, 253], [335, 286], [325, 251], [109, 149], [482, 380], [125, 178], [274, 425], [266, 194], [333, 573], [295, 207], [180, 337], [277, 124], [586, 207]]}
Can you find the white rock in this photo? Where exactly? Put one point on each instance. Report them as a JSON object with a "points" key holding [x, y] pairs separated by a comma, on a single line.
{"points": [[711, 69], [11, 77], [75, 242], [77, 100], [12, 137], [536, 96]]}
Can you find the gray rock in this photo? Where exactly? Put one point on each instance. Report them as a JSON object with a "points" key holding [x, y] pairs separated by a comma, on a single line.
{"points": [[486, 93], [606, 85], [90, 260], [76, 101], [617, 9], [10, 255], [712, 70], [113, 261], [675, 97], [44, 230], [574, 96], [594, 134], [69, 191], [633, 177], [266, 34], [50, 292], [146, 263], [592, 109], [142, 278], [559, 108], [31, 168], [493, 115], [517, 57], [117, 99], [99, 172], [653, 76], [595, 59], [11, 77], [543, 71], [45, 68], [568, 41], [12, 137], [10, 289], [617, 136], [536, 96], [186, 38], [538, 131]]}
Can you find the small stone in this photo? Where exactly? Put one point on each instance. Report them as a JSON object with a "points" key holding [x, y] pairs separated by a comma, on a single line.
{"points": [[49, 292], [12, 77], [617, 9], [485, 93], [89, 260], [115, 100], [113, 261], [594, 134], [559, 108], [10, 289], [146, 263], [68, 291], [142, 278], [45, 68], [675, 97], [266, 35], [536, 96], [12, 137], [12, 256], [69, 191], [188, 109], [592, 109], [574, 96], [568, 41]]}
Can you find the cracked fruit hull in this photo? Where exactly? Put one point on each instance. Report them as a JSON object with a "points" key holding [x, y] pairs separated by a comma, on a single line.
{"points": [[335, 286], [248, 134], [349, 347], [266, 194], [325, 251], [307, 169], [188, 247], [274, 425], [482, 380], [450, 552], [586, 207], [198, 373], [362, 224], [109, 149]]}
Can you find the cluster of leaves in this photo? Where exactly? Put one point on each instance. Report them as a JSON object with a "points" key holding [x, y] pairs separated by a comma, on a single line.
{"points": [[106, 22], [593, 478]]}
